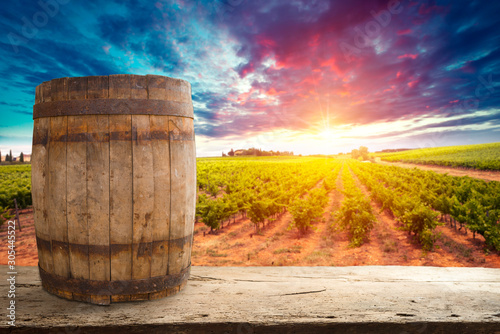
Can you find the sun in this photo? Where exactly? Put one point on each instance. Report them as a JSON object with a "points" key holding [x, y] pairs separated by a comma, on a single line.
{"points": [[328, 134]]}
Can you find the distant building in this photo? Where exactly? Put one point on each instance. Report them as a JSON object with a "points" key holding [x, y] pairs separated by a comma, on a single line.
{"points": [[238, 152]]}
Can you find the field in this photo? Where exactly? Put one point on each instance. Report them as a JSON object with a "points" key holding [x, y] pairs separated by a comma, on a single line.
{"points": [[15, 182], [329, 211], [253, 216], [482, 156]]}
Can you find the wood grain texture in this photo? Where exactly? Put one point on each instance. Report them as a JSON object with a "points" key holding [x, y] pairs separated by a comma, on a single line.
{"points": [[138, 87], [156, 87], [77, 88], [119, 86], [161, 208], [98, 200], [38, 94], [121, 201], [59, 89], [183, 185], [39, 186], [143, 194], [78, 232], [97, 87], [362, 299], [57, 197], [46, 90]]}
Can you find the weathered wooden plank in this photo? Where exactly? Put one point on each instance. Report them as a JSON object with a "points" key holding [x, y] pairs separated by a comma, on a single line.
{"points": [[119, 86], [59, 89], [39, 183], [156, 87], [190, 163], [56, 206], [38, 94], [161, 209], [182, 171], [177, 90], [97, 87], [77, 88], [363, 299], [46, 90], [138, 87], [78, 232], [121, 179], [143, 192], [98, 200], [121, 202]]}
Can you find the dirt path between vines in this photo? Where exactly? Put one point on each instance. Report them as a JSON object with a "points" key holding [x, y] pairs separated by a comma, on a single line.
{"points": [[477, 174]]}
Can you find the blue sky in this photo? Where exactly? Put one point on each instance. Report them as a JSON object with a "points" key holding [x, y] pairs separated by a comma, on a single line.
{"points": [[305, 76]]}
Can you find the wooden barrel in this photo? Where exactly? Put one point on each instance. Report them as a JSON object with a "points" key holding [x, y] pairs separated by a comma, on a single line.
{"points": [[114, 184]]}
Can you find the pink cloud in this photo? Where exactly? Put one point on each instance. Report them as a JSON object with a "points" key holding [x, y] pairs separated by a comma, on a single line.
{"points": [[407, 55], [404, 32]]}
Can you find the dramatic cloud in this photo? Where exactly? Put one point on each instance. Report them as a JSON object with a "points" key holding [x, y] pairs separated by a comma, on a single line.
{"points": [[299, 75]]}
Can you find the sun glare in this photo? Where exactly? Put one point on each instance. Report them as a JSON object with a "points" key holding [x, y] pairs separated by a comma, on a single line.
{"points": [[328, 134]]}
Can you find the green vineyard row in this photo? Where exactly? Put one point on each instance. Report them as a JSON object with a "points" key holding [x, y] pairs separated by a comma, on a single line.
{"points": [[482, 156]]}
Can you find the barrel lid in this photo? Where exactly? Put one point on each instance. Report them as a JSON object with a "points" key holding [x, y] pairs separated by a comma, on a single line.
{"points": [[112, 95]]}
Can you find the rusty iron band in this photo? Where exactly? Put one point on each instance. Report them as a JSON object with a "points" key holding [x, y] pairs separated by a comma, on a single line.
{"points": [[113, 288], [106, 137], [112, 107], [142, 248]]}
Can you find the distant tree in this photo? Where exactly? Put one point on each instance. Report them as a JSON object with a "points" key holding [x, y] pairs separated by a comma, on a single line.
{"points": [[363, 152], [224, 154], [0, 156], [231, 153], [355, 154], [21, 157]]}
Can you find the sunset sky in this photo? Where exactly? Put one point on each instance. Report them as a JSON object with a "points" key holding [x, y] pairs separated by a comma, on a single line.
{"points": [[304, 76]]}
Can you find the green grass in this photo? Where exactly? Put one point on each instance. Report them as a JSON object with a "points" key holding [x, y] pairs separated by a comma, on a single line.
{"points": [[481, 156], [293, 249]]}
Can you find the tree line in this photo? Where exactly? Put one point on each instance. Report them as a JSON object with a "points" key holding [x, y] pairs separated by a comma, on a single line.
{"points": [[10, 158], [256, 152]]}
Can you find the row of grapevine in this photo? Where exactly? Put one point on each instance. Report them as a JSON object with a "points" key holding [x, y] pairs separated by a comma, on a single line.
{"points": [[355, 214], [417, 197], [404, 201], [310, 208]]}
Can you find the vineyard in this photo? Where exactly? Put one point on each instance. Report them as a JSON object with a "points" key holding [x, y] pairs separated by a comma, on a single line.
{"points": [[482, 156], [419, 200], [15, 182], [308, 211]]}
